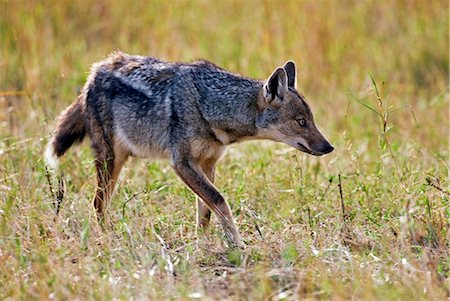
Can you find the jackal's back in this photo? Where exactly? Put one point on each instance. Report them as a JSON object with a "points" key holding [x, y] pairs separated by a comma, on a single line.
{"points": [[151, 104]]}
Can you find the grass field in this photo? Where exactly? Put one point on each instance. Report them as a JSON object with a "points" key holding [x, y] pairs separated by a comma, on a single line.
{"points": [[370, 221]]}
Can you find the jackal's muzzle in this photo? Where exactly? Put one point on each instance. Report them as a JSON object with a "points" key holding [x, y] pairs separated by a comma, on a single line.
{"points": [[316, 149]]}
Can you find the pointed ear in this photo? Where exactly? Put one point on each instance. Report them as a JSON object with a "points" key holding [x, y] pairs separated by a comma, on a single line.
{"points": [[276, 86], [291, 72]]}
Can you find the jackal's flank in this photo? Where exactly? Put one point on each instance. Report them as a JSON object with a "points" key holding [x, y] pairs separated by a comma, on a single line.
{"points": [[185, 112]]}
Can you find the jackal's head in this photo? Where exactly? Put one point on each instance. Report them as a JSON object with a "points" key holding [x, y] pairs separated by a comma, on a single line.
{"points": [[286, 117]]}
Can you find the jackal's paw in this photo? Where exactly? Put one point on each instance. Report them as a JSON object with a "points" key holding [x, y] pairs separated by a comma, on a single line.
{"points": [[234, 240], [240, 245], [236, 244]]}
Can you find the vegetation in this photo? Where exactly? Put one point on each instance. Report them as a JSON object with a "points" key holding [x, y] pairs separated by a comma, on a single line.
{"points": [[369, 221]]}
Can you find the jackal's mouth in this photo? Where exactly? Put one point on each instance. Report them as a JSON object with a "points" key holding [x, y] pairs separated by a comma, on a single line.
{"points": [[327, 149], [306, 150]]}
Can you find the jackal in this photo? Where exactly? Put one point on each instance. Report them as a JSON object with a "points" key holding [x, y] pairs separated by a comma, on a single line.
{"points": [[185, 112]]}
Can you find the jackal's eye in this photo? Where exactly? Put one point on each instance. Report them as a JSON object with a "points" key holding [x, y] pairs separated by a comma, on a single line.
{"points": [[301, 121]]}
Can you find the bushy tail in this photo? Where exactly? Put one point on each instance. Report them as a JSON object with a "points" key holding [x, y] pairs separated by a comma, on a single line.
{"points": [[70, 129]]}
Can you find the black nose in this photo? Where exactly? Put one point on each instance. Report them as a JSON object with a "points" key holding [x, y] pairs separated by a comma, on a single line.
{"points": [[328, 149]]}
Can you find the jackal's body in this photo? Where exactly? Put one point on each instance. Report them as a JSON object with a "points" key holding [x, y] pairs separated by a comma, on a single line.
{"points": [[144, 107], [150, 103]]}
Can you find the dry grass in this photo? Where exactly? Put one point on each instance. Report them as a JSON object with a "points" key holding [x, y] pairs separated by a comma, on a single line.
{"points": [[386, 237]]}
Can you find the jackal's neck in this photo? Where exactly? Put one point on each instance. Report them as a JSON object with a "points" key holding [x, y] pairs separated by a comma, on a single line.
{"points": [[231, 109]]}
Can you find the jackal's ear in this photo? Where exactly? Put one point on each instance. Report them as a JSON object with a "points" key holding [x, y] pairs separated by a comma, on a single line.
{"points": [[276, 86], [291, 72]]}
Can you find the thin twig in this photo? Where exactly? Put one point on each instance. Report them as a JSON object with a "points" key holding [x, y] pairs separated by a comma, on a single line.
{"points": [[330, 180], [345, 230], [259, 230], [60, 194], [254, 217], [344, 216], [132, 197], [430, 183], [49, 180], [308, 211]]}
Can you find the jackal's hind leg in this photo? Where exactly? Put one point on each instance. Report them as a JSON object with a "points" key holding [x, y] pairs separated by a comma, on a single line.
{"points": [[203, 215], [108, 165]]}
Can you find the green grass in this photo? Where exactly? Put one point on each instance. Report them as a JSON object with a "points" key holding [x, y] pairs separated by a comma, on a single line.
{"points": [[377, 77]]}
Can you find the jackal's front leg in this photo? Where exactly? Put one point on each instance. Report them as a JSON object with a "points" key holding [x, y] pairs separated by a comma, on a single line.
{"points": [[203, 211], [191, 173]]}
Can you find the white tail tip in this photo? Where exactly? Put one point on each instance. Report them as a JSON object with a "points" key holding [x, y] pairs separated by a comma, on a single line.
{"points": [[50, 157]]}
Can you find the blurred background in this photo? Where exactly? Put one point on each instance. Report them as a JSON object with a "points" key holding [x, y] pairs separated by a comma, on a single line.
{"points": [[47, 48]]}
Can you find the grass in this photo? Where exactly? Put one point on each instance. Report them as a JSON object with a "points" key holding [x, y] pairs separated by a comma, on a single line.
{"points": [[369, 221]]}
